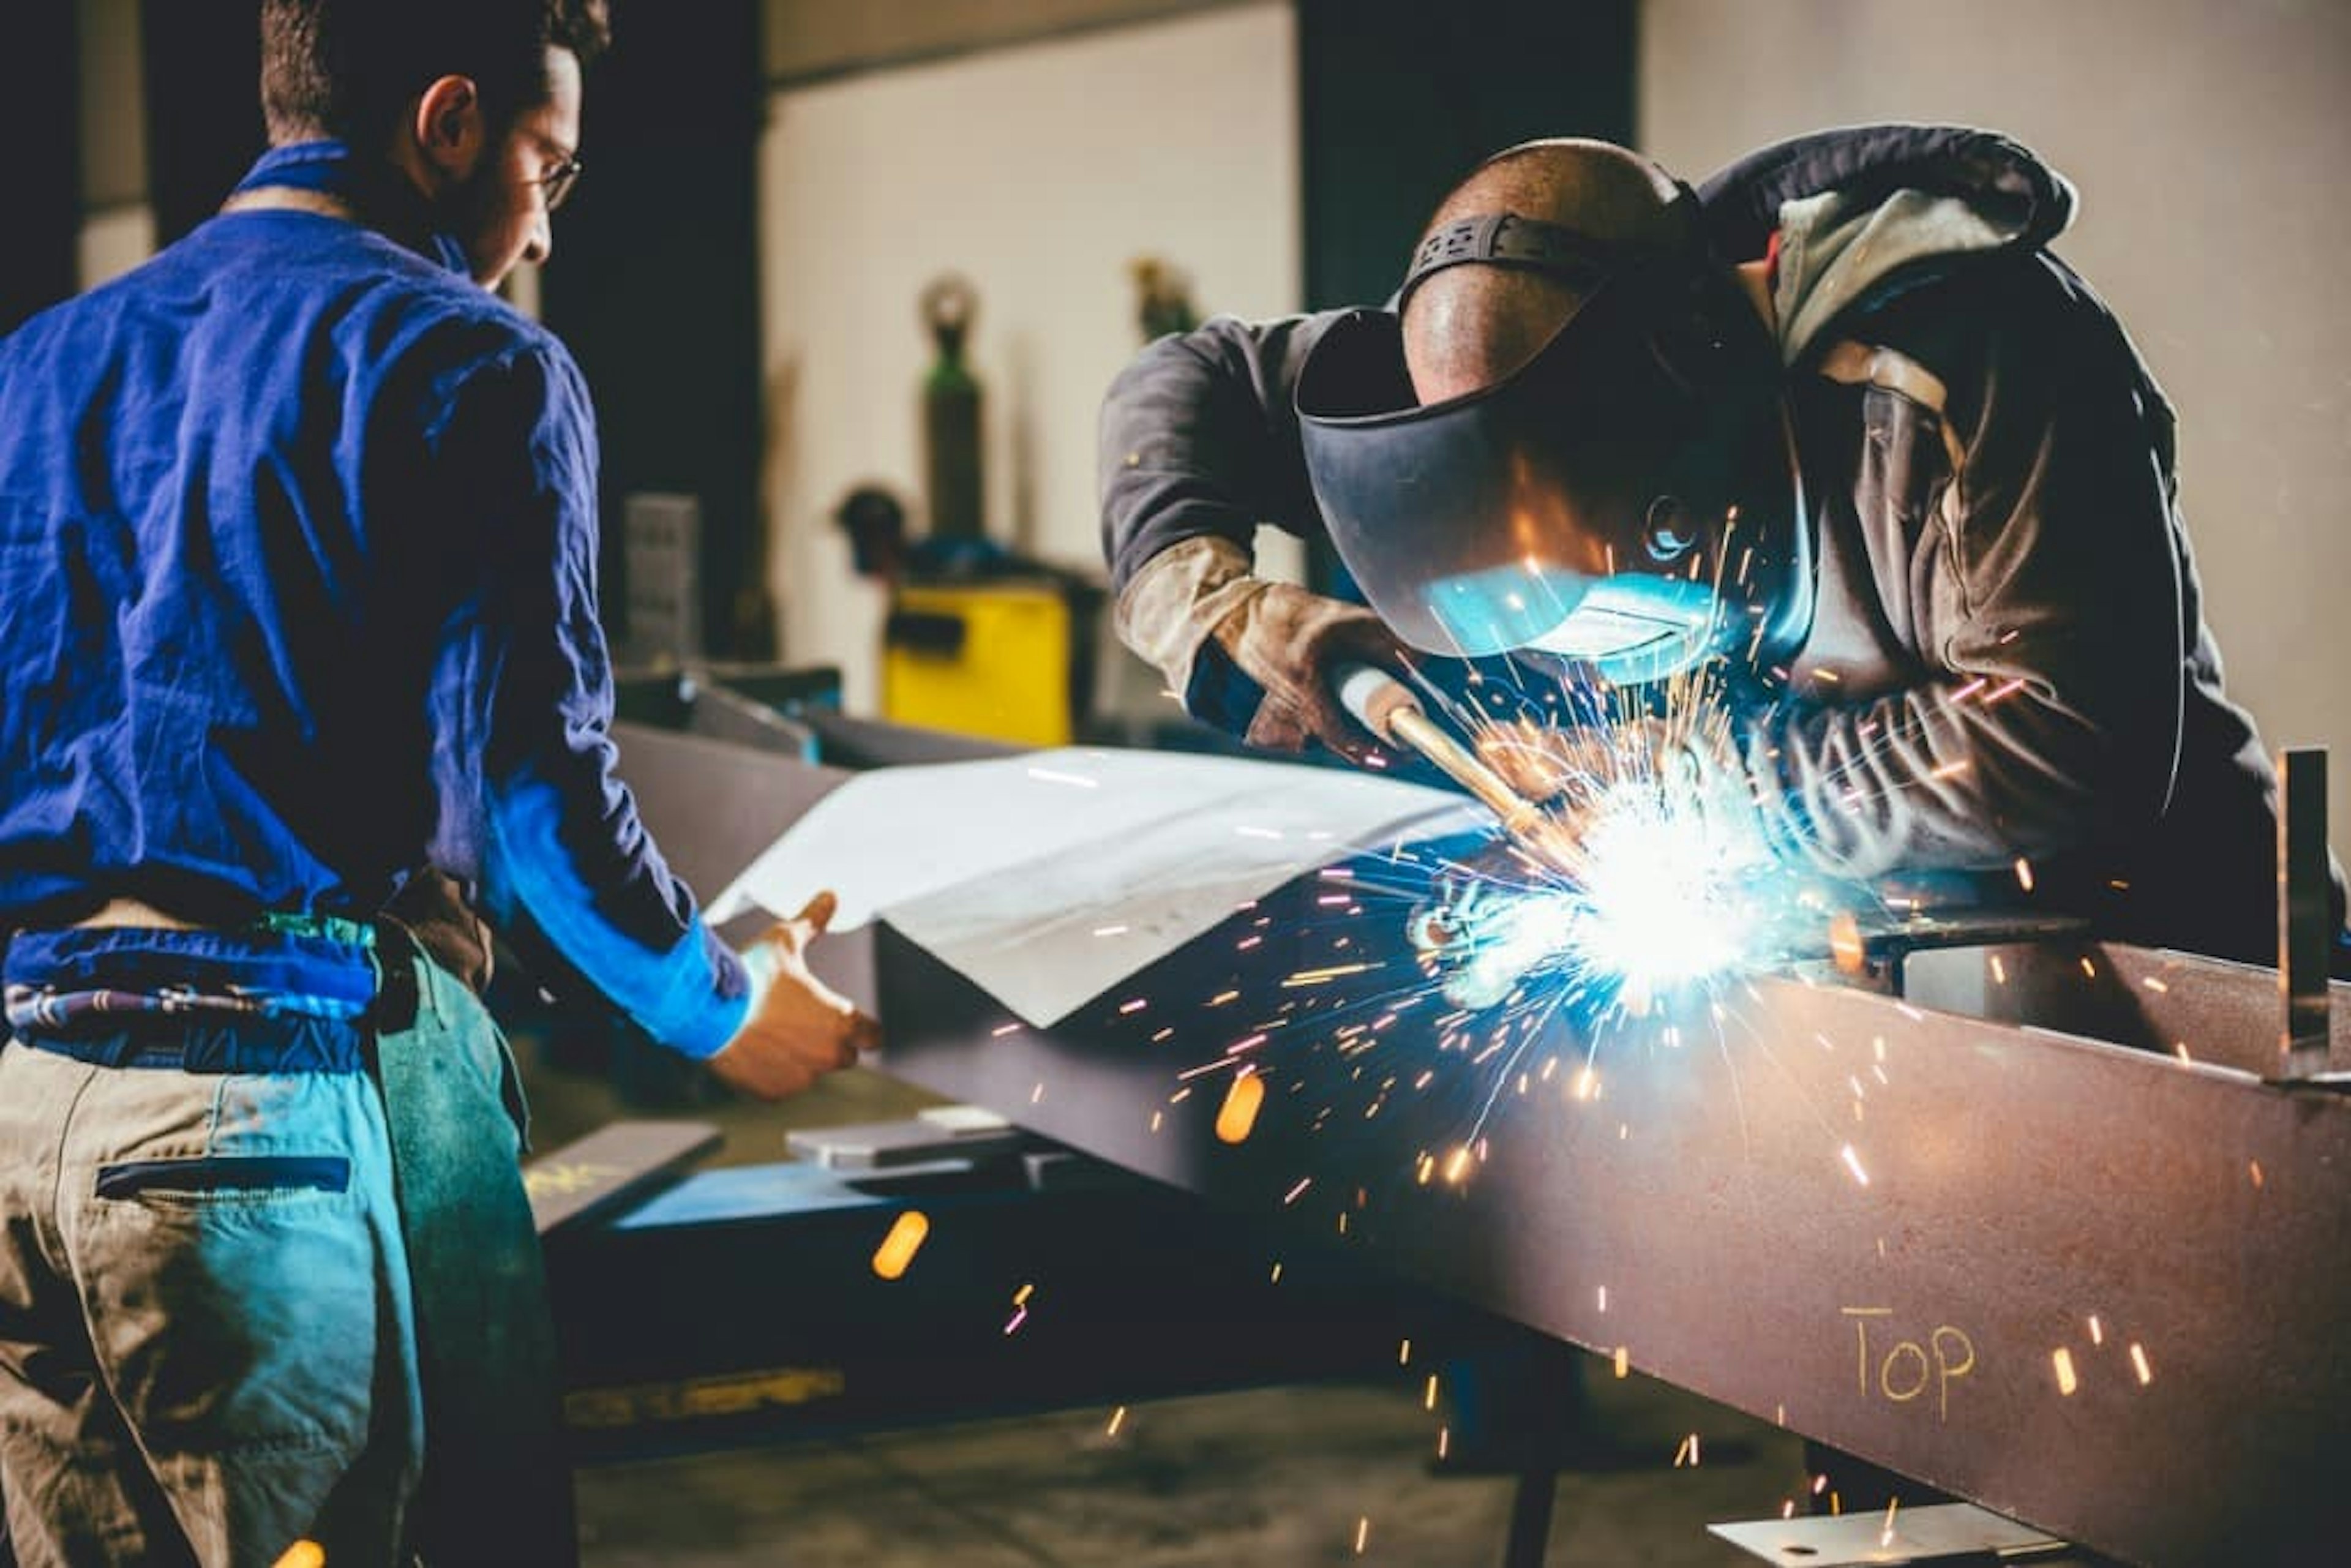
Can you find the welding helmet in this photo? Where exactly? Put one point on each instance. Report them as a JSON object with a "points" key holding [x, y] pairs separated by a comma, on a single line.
{"points": [[1626, 498]]}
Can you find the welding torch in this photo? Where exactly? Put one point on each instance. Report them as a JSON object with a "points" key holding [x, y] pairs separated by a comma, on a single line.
{"points": [[1387, 707]]}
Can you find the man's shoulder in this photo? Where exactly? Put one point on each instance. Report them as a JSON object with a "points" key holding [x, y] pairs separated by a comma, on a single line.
{"points": [[2023, 314], [411, 294]]}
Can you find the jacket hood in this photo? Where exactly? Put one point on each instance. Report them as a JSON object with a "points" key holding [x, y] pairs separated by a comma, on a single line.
{"points": [[1865, 210]]}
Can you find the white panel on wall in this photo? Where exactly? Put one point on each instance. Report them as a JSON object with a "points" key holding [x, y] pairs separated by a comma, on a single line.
{"points": [[2208, 141], [113, 242], [1039, 171]]}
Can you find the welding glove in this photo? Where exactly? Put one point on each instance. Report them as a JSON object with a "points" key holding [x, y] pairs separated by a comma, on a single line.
{"points": [[1252, 657]]}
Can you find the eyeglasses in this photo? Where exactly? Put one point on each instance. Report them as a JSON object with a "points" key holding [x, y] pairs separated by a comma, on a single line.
{"points": [[556, 182]]}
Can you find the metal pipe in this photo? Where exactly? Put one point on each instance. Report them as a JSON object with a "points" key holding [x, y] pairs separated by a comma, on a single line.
{"points": [[1386, 707]]}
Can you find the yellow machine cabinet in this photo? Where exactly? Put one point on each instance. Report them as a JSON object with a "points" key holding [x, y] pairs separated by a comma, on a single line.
{"points": [[989, 659]]}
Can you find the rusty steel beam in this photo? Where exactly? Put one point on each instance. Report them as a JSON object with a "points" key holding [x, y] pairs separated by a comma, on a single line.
{"points": [[2099, 1289]]}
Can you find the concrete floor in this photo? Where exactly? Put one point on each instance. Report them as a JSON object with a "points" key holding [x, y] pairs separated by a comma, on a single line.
{"points": [[1298, 1474], [1273, 1477]]}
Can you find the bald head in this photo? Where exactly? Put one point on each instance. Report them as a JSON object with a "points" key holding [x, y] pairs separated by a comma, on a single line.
{"points": [[1467, 326]]}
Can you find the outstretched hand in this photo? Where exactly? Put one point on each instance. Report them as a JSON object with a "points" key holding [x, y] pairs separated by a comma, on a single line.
{"points": [[799, 1029]]}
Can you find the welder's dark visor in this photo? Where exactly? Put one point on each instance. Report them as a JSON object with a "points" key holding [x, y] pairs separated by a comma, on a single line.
{"points": [[1625, 499]]}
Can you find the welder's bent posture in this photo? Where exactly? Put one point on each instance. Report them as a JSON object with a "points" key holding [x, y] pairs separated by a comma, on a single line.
{"points": [[1836, 418], [297, 545]]}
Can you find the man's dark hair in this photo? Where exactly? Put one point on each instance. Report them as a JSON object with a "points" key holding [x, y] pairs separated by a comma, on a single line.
{"points": [[348, 69]]}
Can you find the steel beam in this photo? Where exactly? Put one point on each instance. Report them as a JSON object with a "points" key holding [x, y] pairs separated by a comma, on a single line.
{"points": [[2096, 1289], [2100, 1289]]}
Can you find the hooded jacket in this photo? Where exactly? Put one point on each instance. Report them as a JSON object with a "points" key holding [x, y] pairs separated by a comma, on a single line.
{"points": [[2008, 661]]}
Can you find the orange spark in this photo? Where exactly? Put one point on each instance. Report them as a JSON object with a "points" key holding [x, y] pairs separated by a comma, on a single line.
{"points": [[1844, 943], [898, 1248], [1243, 1100]]}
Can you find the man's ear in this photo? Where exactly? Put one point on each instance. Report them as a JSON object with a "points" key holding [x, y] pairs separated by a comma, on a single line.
{"points": [[448, 128]]}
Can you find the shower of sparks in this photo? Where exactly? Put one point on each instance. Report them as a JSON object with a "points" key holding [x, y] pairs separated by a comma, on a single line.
{"points": [[1639, 881], [2138, 1363], [2063, 1359], [1117, 1419], [1629, 918]]}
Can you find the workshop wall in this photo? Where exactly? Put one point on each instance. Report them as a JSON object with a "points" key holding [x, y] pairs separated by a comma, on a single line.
{"points": [[2208, 142], [37, 265], [1038, 170], [809, 38]]}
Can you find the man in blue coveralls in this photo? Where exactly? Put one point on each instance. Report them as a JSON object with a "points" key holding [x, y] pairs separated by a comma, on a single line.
{"points": [[298, 608]]}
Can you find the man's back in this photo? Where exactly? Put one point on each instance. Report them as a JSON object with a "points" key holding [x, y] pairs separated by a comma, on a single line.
{"points": [[225, 556]]}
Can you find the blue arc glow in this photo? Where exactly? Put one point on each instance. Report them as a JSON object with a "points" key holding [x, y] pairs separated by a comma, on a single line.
{"points": [[1662, 895]]}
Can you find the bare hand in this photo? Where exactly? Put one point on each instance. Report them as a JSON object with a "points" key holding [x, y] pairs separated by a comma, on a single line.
{"points": [[799, 1029]]}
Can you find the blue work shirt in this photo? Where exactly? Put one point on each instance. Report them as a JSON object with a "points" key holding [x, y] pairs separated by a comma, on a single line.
{"points": [[297, 595]]}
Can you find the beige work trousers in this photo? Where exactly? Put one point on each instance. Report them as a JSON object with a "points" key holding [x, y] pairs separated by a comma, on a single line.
{"points": [[206, 1343]]}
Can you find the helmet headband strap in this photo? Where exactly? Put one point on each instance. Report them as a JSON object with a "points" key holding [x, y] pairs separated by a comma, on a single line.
{"points": [[1582, 261]]}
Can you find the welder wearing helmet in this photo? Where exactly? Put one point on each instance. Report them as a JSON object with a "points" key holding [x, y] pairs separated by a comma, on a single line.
{"points": [[1835, 422]]}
